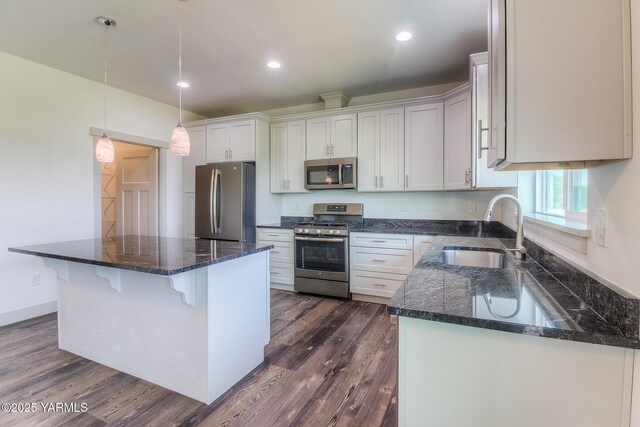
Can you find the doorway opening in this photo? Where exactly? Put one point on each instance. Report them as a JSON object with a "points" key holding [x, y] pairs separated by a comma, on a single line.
{"points": [[129, 191]]}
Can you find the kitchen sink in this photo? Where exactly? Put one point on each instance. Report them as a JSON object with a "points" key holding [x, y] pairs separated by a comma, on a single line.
{"points": [[476, 257]]}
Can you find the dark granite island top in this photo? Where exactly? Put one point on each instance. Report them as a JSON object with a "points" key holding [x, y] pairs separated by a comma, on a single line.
{"points": [[156, 255], [523, 299]]}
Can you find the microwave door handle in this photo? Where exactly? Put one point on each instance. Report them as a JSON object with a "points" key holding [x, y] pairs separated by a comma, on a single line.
{"points": [[340, 174]]}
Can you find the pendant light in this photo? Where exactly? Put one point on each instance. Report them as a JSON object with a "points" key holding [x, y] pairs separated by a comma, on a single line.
{"points": [[180, 144], [104, 147]]}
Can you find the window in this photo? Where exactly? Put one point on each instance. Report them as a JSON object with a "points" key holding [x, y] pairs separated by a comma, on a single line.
{"points": [[562, 193]]}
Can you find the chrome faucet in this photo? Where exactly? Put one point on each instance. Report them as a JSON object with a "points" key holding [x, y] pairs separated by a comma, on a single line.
{"points": [[519, 250]]}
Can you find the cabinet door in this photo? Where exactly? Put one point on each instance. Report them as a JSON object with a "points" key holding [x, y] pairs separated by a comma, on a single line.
{"points": [[278, 159], [318, 137], [217, 143], [368, 150], [344, 136], [423, 148], [242, 143], [457, 142], [497, 96], [296, 143], [189, 215], [483, 176], [392, 176], [197, 156]]}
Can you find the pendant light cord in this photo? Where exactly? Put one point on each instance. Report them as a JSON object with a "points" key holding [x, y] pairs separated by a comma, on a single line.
{"points": [[106, 26], [180, 61]]}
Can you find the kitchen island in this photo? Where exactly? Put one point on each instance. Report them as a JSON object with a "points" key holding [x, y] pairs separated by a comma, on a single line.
{"points": [[511, 345], [191, 315]]}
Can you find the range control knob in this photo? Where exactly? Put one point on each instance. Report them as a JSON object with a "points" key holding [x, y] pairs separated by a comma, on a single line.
{"points": [[319, 231], [330, 231], [298, 230], [305, 231], [338, 232]]}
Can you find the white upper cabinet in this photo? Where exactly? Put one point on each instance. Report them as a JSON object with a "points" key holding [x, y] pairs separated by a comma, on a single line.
{"points": [[483, 176], [381, 150], [196, 157], [457, 141], [334, 136], [344, 136], [423, 148], [560, 83], [231, 142], [287, 157]]}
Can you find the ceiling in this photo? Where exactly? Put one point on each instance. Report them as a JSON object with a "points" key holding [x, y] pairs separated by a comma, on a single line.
{"points": [[323, 45]]}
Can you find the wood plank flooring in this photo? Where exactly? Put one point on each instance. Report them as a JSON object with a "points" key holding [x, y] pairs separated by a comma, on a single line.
{"points": [[329, 363]]}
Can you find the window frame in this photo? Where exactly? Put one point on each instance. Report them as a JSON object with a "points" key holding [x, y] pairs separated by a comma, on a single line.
{"points": [[568, 212]]}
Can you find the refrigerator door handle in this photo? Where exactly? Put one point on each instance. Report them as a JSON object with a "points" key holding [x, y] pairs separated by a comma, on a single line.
{"points": [[217, 185], [213, 200], [211, 194]]}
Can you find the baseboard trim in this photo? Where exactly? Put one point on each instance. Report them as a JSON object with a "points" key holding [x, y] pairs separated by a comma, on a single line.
{"points": [[26, 313], [282, 287]]}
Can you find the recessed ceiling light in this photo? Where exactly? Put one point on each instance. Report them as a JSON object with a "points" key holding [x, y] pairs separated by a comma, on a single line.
{"points": [[183, 84], [273, 64], [403, 36]]}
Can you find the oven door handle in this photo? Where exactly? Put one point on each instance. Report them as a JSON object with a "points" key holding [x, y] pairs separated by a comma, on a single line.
{"points": [[321, 239]]}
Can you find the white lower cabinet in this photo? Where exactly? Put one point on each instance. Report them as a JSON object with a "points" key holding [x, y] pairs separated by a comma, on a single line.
{"points": [[379, 263], [505, 379], [281, 257]]}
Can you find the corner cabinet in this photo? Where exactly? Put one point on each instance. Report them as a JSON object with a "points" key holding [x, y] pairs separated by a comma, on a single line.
{"points": [[457, 141], [287, 157], [231, 142], [561, 91], [334, 136], [381, 150]]}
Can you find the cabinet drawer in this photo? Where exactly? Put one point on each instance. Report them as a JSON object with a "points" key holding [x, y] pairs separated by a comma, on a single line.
{"points": [[282, 251], [275, 235], [398, 261], [281, 273], [395, 241], [377, 284]]}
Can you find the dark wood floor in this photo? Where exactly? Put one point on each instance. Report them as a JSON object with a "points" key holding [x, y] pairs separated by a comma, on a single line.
{"points": [[330, 362]]}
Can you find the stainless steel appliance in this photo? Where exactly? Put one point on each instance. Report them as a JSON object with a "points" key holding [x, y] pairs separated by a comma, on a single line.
{"points": [[322, 249], [330, 173], [226, 201]]}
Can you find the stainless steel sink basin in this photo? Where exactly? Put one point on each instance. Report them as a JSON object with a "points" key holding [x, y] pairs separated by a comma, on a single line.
{"points": [[475, 257]]}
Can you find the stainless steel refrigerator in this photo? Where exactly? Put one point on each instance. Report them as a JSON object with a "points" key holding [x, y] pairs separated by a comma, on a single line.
{"points": [[226, 201]]}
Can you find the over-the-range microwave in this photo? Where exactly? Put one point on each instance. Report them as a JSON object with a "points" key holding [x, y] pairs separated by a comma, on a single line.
{"points": [[325, 174]]}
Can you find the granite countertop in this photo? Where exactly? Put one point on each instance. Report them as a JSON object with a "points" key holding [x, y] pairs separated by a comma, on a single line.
{"points": [[157, 255], [523, 298]]}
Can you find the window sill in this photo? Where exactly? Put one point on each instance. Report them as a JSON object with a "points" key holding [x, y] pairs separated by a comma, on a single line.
{"points": [[574, 228]]}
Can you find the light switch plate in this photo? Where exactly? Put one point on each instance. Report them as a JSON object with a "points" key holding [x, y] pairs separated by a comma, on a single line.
{"points": [[602, 227]]}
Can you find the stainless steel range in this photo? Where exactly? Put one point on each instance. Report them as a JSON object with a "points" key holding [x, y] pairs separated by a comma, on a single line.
{"points": [[322, 249]]}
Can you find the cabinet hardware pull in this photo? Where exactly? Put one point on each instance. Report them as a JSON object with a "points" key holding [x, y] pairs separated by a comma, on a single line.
{"points": [[375, 181], [479, 138], [326, 150], [379, 260], [226, 154], [331, 150], [230, 155], [380, 285], [274, 272], [406, 181], [274, 252], [381, 177], [379, 241], [274, 235]]}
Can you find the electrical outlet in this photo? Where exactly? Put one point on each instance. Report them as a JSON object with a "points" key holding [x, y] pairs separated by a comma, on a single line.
{"points": [[602, 227], [34, 279], [473, 207], [403, 207]]}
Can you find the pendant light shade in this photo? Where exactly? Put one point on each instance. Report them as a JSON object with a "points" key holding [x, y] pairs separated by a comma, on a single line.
{"points": [[180, 144], [104, 149]]}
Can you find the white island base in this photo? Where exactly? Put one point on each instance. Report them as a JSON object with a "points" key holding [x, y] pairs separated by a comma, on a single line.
{"points": [[196, 333]]}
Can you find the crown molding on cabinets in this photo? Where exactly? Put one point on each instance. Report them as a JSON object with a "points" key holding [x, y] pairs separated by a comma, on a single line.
{"points": [[226, 119]]}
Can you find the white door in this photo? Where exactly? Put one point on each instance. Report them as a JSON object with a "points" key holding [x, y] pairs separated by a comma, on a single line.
{"points": [[423, 148], [296, 142], [318, 137], [137, 189], [242, 141], [368, 150], [278, 161], [344, 136], [392, 176], [217, 143], [457, 142]]}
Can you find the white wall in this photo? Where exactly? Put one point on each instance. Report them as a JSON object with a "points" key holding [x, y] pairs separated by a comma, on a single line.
{"points": [[47, 163], [420, 205], [615, 187]]}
